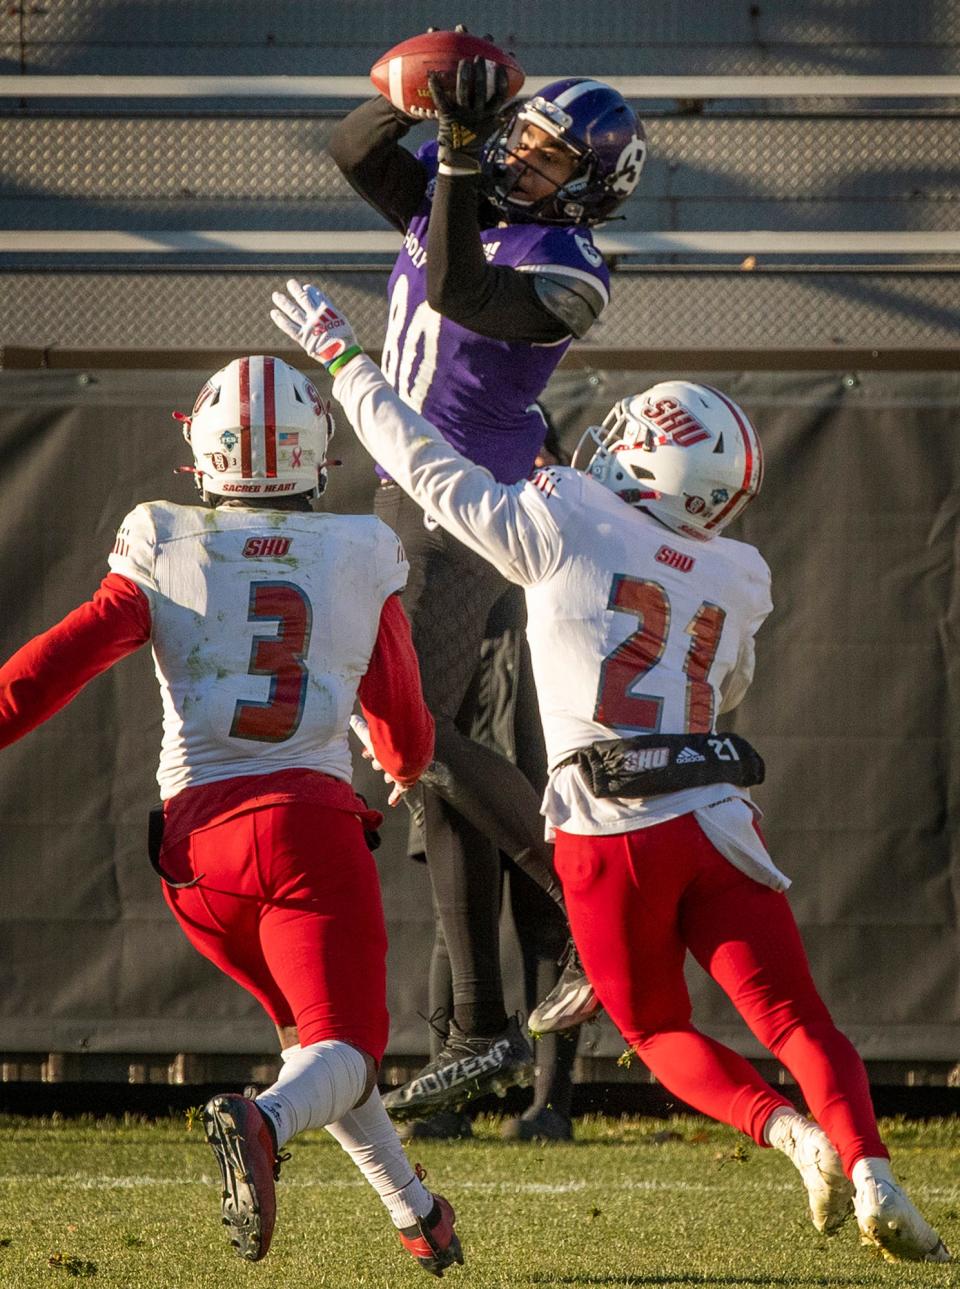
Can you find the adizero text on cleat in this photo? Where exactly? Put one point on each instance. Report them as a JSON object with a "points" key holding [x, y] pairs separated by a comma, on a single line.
{"points": [[243, 1143], [467, 1066], [433, 1241]]}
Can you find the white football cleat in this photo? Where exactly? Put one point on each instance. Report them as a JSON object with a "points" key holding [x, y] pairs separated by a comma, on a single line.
{"points": [[888, 1220], [570, 1002], [809, 1149]]}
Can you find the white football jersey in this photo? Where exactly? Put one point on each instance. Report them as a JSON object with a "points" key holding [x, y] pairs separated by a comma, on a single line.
{"points": [[632, 628], [263, 623]]}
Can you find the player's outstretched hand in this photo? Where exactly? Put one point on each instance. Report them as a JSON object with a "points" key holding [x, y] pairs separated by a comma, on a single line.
{"points": [[311, 319], [362, 731]]}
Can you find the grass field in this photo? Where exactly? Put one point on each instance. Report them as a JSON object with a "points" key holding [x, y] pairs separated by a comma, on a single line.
{"points": [[135, 1205]]}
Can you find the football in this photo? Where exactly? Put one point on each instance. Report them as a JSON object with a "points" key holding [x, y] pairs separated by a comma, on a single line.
{"points": [[401, 73]]}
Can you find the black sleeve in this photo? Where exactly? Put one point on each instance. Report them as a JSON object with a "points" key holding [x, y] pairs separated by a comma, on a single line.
{"points": [[494, 301], [365, 146]]}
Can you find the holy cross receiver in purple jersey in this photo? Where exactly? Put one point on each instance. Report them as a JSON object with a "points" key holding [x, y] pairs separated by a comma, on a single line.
{"points": [[497, 274]]}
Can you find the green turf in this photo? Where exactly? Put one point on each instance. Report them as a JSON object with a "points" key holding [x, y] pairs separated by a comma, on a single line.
{"points": [[134, 1205]]}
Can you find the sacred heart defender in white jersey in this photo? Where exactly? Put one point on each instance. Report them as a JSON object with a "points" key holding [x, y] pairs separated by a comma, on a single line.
{"points": [[641, 624], [262, 842]]}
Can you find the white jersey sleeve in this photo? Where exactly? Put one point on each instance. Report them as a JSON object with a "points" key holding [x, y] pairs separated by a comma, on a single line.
{"points": [[511, 525], [758, 603], [134, 551], [391, 560]]}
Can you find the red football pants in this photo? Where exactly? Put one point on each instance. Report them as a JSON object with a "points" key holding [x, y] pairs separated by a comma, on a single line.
{"points": [[637, 901], [289, 907]]}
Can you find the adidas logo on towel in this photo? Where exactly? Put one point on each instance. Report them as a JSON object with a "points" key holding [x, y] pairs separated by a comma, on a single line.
{"points": [[687, 756]]}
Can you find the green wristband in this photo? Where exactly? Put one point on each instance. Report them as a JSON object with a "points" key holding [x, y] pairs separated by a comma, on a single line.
{"points": [[344, 358]]}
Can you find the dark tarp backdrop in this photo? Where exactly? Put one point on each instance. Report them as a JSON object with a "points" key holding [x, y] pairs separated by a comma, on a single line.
{"points": [[855, 708]]}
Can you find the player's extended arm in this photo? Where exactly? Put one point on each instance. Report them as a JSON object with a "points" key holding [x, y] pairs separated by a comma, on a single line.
{"points": [[493, 300], [365, 147], [52, 668], [504, 523], [401, 727]]}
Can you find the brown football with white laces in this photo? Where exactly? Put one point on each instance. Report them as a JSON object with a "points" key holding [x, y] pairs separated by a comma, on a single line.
{"points": [[401, 73]]}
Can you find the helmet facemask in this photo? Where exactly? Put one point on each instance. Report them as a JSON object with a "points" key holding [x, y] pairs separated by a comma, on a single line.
{"points": [[593, 122], [505, 168]]}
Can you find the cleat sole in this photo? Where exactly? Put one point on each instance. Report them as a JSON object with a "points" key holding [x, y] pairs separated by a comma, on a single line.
{"points": [[239, 1205]]}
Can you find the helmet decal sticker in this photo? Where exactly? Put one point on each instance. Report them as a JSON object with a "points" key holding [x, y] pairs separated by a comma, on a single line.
{"points": [[626, 172], [588, 250]]}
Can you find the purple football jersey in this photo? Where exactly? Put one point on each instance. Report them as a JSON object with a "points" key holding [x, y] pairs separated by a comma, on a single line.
{"points": [[480, 393]]}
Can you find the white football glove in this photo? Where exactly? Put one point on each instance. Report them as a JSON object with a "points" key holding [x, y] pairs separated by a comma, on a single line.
{"points": [[309, 318], [362, 731]]}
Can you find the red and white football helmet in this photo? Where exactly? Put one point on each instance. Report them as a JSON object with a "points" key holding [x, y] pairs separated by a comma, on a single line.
{"points": [[259, 429], [684, 452]]}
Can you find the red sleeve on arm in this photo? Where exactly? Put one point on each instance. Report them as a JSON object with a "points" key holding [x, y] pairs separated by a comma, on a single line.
{"points": [[53, 667], [391, 699]]}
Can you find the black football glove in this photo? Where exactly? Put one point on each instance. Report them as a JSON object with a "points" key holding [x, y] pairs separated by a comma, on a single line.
{"points": [[467, 116]]}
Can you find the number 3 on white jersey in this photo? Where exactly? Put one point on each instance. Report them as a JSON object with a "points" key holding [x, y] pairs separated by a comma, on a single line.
{"points": [[281, 657]]}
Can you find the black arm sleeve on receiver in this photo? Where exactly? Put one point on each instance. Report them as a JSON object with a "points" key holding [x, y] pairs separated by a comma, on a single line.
{"points": [[365, 147], [494, 301]]}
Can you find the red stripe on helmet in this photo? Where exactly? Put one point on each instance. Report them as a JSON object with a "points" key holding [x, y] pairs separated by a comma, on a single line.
{"points": [[246, 464], [740, 498], [269, 418]]}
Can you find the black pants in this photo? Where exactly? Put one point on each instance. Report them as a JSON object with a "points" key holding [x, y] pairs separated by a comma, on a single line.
{"points": [[542, 934], [478, 804]]}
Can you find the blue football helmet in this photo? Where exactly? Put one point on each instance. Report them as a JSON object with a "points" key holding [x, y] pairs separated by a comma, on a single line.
{"points": [[595, 123]]}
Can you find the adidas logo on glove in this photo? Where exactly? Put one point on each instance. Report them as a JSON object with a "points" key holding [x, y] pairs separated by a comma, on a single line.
{"points": [[686, 756]]}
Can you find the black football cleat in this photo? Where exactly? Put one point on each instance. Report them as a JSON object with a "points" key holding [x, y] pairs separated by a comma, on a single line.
{"points": [[541, 1124], [467, 1066], [242, 1139], [433, 1241], [448, 1125]]}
